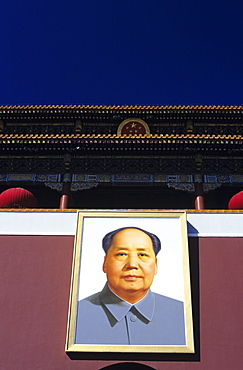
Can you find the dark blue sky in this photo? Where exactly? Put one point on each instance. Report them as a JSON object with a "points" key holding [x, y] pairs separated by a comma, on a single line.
{"points": [[121, 52]]}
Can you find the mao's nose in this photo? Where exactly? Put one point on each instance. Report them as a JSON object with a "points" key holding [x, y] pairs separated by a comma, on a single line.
{"points": [[132, 261]]}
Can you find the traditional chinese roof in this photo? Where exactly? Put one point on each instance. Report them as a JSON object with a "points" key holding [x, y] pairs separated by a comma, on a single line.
{"points": [[89, 139], [53, 119]]}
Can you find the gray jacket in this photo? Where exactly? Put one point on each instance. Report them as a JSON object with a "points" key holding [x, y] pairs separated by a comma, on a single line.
{"points": [[104, 318]]}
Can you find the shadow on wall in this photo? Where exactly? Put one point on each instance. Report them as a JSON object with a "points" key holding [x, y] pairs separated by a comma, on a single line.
{"points": [[126, 366]]}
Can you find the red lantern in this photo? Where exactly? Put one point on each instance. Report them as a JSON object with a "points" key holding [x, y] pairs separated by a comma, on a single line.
{"points": [[17, 198], [236, 202]]}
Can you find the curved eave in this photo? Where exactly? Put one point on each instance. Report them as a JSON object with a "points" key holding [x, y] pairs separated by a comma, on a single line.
{"points": [[120, 145], [107, 109], [120, 138]]}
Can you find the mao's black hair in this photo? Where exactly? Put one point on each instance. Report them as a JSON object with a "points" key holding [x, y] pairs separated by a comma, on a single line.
{"points": [[108, 238]]}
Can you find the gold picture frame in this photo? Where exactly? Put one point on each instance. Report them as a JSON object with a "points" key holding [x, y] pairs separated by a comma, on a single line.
{"points": [[172, 280]]}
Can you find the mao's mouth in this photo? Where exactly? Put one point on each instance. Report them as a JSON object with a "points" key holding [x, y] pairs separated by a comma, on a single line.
{"points": [[131, 277]]}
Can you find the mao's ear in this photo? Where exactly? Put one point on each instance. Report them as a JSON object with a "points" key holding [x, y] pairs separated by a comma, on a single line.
{"points": [[104, 265], [156, 266]]}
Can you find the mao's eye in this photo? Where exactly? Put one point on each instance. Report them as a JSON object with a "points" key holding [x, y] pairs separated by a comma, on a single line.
{"points": [[143, 255]]}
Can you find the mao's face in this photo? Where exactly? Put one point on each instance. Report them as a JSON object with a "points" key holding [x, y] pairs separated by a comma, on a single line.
{"points": [[130, 264]]}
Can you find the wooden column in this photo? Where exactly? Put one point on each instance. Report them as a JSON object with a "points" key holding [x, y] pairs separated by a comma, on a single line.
{"points": [[199, 194], [66, 190]]}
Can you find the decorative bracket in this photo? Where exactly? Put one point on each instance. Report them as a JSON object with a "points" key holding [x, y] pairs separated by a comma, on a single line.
{"points": [[191, 187]]}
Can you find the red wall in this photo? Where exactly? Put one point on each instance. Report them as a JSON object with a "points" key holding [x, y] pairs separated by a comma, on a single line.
{"points": [[35, 281]]}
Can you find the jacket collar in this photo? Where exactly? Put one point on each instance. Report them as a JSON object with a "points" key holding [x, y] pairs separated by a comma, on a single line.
{"points": [[119, 308]]}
